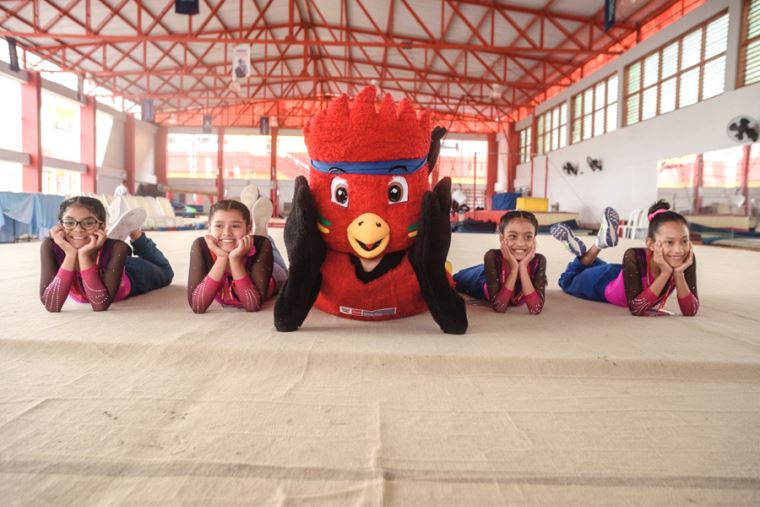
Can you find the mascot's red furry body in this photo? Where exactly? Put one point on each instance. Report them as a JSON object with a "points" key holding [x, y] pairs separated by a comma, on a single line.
{"points": [[366, 237], [396, 294]]}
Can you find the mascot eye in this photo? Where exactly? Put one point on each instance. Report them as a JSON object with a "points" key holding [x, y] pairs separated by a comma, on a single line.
{"points": [[339, 192], [398, 190]]}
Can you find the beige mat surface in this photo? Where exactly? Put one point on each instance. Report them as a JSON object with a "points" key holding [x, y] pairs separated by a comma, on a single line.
{"points": [[149, 404]]}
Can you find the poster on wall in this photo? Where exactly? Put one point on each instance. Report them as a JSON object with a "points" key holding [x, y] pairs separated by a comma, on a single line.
{"points": [[241, 61], [147, 110]]}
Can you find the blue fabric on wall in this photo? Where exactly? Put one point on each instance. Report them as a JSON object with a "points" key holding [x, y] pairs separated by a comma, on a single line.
{"points": [[24, 213], [45, 213]]}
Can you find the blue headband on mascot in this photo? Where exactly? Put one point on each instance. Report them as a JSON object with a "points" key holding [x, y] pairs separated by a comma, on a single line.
{"points": [[383, 167]]}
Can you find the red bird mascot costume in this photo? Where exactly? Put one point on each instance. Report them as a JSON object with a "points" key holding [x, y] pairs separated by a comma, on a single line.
{"points": [[366, 238]]}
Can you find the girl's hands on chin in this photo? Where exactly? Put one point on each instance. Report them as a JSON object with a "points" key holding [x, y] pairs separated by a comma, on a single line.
{"points": [[687, 263], [214, 247], [59, 238], [510, 258], [529, 256], [659, 259], [242, 248], [94, 244]]}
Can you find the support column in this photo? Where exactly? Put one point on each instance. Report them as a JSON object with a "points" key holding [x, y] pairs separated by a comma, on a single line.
{"points": [[31, 138], [220, 164], [747, 152], [533, 137], [491, 164], [273, 173], [129, 151], [698, 181], [160, 160], [513, 154], [533, 148], [474, 181], [532, 164], [87, 133]]}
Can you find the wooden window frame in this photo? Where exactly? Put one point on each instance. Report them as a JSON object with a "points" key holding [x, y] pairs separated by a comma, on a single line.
{"points": [[594, 108], [525, 145], [627, 95], [744, 44], [548, 128]]}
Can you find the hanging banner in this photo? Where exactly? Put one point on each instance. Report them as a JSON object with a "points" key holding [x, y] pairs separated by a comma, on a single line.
{"points": [[609, 14], [147, 110], [241, 61]]}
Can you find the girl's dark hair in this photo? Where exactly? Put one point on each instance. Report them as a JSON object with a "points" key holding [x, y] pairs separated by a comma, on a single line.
{"points": [[512, 215], [230, 204], [93, 205], [664, 216]]}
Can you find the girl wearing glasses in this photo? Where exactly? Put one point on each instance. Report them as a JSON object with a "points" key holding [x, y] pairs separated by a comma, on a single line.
{"points": [[80, 261]]}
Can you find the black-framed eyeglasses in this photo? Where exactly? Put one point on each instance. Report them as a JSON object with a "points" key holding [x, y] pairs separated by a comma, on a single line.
{"points": [[87, 224]]}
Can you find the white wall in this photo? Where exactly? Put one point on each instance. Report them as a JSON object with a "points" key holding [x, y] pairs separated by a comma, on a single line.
{"points": [[630, 154], [111, 170], [145, 152]]}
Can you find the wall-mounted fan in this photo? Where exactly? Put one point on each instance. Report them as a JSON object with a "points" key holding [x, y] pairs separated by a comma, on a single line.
{"points": [[594, 163], [743, 129], [570, 169]]}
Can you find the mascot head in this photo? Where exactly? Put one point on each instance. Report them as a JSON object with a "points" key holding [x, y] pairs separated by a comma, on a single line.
{"points": [[369, 172]]}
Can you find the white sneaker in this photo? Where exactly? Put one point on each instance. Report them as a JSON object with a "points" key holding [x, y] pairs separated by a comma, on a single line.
{"points": [[126, 223], [608, 236], [249, 195], [567, 237], [261, 212]]}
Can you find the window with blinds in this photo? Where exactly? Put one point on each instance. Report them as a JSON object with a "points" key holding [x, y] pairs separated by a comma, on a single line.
{"points": [[679, 74], [595, 110], [750, 50], [552, 129], [524, 145]]}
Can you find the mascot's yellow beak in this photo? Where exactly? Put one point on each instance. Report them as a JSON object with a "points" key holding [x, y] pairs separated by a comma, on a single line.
{"points": [[369, 235]]}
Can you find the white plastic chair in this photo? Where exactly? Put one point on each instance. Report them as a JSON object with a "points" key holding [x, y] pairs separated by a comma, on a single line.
{"points": [[168, 212], [637, 225], [144, 203]]}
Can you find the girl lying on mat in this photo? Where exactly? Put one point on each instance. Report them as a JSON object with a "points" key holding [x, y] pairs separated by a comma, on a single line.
{"points": [[230, 264], [82, 261], [514, 273], [647, 276]]}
